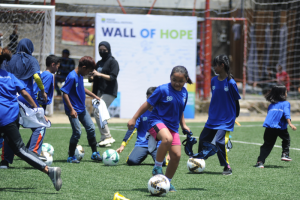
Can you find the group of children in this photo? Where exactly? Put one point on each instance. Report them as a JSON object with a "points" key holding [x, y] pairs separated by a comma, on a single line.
{"points": [[160, 115]]}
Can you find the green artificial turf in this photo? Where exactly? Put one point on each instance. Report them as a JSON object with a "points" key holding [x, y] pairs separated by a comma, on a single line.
{"points": [[91, 180]]}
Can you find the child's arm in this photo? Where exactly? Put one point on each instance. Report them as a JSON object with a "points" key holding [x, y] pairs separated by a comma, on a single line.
{"points": [[140, 111], [40, 84], [126, 139], [291, 125], [73, 113], [28, 98], [183, 124], [89, 93]]}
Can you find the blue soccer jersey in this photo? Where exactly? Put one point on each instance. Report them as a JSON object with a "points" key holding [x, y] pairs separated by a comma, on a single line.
{"points": [[48, 82], [75, 89], [277, 115], [169, 105], [222, 108], [9, 86]]}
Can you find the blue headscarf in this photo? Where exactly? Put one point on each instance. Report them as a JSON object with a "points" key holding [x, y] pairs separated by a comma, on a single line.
{"points": [[23, 65]]}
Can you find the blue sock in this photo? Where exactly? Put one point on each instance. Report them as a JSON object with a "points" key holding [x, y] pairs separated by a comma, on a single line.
{"points": [[158, 164], [169, 179]]}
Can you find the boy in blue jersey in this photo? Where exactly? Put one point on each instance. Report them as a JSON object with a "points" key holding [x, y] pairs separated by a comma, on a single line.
{"points": [[9, 125], [276, 122], [223, 110], [74, 101], [140, 151]]}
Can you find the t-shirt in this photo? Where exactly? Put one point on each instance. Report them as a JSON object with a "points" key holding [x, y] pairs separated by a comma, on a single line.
{"points": [[277, 115], [169, 105], [75, 89], [9, 86], [222, 108], [66, 66], [47, 78]]}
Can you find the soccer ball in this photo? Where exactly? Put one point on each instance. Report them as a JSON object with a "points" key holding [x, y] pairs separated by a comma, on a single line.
{"points": [[79, 152], [48, 156], [48, 148], [196, 165], [110, 157], [159, 185]]}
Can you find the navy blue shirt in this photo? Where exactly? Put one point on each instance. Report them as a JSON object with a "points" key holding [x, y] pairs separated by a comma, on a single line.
{"points": [[9, 86], [277, 115], [75, 89], [169, 105], [47, 78], [222, 108]]}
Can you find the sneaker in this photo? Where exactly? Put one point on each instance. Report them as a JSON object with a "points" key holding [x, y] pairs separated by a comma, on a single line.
{"points": [[96, 156], [4, 164], [106, 142], [157, 170], [285, 157], [73, 160], [172, 188], [227, 170], [259, 164], [54, 174]]}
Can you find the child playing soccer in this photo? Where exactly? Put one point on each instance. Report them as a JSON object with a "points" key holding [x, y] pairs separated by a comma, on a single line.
{"points": [[169, 101], [74, 101], [276, 122], [140, 151], [9, 126], [223, 110]]}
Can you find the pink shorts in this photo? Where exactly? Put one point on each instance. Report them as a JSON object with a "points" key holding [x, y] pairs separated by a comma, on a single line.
{"points": [[155, 129]]}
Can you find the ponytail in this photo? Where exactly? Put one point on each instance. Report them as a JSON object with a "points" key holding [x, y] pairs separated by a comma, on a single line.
{"points": [[218, 60], [183, 70]]}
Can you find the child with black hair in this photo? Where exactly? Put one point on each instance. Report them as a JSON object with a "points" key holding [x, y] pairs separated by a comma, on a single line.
{"points": [[276, 122], [74, 101], [223, 110], [168, 101]]}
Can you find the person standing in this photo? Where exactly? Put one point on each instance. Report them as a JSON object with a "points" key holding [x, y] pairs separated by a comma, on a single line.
{"points": [[105, 86], [283, 78]]}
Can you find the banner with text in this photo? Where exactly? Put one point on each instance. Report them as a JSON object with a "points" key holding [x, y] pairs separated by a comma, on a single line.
{"points": [[147, 47]]}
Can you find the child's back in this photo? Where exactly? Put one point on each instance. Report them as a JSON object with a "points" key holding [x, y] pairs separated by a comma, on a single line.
{"points": [[277, 115]]}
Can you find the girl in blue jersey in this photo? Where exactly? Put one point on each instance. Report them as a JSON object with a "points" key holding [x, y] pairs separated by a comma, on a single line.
{"points": [[169, 101], [223, 110], [9, 127], [276, 122]]}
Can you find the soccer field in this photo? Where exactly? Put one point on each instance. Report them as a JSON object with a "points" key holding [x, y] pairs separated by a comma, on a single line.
{"points": [[91, 180]]}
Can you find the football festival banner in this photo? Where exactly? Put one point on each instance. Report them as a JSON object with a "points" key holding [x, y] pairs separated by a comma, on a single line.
{"points": [[147, 47]]}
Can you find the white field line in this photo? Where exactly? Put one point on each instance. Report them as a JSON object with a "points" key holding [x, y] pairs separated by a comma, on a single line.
{"points": [[242, 126]]}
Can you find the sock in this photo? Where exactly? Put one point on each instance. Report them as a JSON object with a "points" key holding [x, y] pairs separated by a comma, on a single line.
{"points": [[158, 164], [72, 148], [169, 179], [93, 144]]}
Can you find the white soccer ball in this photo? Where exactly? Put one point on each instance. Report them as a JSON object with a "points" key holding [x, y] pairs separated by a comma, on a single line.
{"points": [[79, 152], [49, 158], [159, 185], [196, 165], [110, 157], [48, 148]]}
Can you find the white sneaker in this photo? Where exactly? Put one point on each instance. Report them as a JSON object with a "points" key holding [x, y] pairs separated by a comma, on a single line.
{"points": [[54, 174], [106, 142]]}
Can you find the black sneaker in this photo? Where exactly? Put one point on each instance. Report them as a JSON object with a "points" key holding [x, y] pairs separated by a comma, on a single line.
{"points": [[259, 164], [54, 174], [4, 164], [285, 157], [227, 170]]}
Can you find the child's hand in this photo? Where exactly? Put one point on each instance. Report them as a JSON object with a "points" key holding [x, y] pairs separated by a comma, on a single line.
{"points": [[293, 127], [131, 124], [98, 98], [186, 128], [46, 118], [119, 150], [73, 113]]}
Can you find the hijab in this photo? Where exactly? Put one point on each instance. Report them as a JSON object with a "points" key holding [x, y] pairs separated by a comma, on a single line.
{"points": [[107, 45]]}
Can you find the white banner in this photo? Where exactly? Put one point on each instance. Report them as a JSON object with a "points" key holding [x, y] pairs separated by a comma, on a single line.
{"points": [[146, 47]]}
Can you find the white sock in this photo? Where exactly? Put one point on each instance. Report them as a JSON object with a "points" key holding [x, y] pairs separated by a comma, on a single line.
{"points": [[158, 164]]}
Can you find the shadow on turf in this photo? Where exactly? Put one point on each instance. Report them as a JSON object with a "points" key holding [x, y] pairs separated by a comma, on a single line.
{"points": [[205, 172], [275, 166], [20, 190]]}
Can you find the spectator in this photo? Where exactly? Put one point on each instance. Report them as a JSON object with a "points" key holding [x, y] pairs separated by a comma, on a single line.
{"points": [[13, 38], [283, 78], [66, 66]]}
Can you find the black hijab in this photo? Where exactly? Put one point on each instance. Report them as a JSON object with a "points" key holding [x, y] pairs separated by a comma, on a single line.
{"points": [[107, 45]]}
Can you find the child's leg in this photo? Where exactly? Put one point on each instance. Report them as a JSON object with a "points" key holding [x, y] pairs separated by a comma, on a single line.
{"points": [[222, 138], [166, 139], [207, 135], [286, 140], [270, 137], [175, 154], [137, 155], [36, 140], [7, 153], [153, 154], [76, 133]]}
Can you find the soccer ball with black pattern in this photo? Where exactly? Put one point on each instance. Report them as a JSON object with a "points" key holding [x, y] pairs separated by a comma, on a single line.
{"points": [[158, 185], [195, 165], [79, 152]]}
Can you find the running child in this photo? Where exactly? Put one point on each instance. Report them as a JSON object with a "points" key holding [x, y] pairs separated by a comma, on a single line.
{"points": [[276, 122], [140, 151], [74, 101], [223, 110], [9, 125], [169, 101]]}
